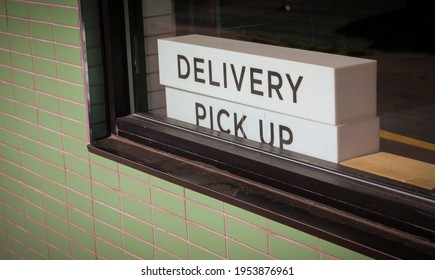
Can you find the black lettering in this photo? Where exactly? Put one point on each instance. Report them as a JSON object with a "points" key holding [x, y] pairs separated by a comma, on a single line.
{"points": [[285, 141], [210, 76], [211, 117], [271, 86], [202, 115], [238, 125], [197, 70], [225, 75], [255, 81], [271, 133], [185, 75], [294, 87], [220, 113], [240, 80]]}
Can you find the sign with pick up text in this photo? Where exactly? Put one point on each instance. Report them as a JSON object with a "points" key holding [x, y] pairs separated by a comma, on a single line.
{"points": [[317, 104]]}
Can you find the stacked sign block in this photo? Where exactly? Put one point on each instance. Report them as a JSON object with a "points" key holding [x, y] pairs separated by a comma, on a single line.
{"points": [[312, 103]]}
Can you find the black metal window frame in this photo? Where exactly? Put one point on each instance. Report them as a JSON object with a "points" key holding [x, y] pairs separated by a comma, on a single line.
{"points": [[379, 218]]}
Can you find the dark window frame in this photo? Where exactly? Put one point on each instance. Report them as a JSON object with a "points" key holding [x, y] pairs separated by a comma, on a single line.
{"points": [[382, 205]]}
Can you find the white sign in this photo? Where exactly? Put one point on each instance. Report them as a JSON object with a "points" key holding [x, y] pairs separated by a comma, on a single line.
{"points": [[321, 87], [291, 99]]}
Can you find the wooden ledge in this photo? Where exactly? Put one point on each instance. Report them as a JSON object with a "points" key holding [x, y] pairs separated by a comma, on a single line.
{"points": [[406, 170]]}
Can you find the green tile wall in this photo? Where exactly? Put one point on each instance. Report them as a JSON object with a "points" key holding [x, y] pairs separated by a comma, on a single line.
{"points": [[57, 201]]}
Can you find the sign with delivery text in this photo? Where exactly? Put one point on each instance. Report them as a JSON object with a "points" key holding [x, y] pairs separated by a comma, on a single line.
{"points": [[317, 104]]}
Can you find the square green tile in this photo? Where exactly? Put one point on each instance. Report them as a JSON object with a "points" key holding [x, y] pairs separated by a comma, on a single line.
{"points": [[205, 200], [170, 223], [81, 220], [5, 58], [110, 164], [208, 240], [72, 92], [55, 191], [136, 208], [30, 146], [79, 183], [138, 228], [237, 251], [104, 176], [48, 102], [294, 234], [49, 120], [18, 26], [107, 215], [165, 185], [286, 250], [45, 67], [40, 12], [40, 30], [168, 202], [76, 147], [138, 248], [12, 186], [56, 208], [108, 251], [65, 16], [162, 255], [108, 233], [19, 250], [25, 96], [52, 156], [10, 154], [58, 225], [80, 202], [35, 212], [106, 196], [36, 228], [55, 173], [46, 85], [4, 41], [3, 24], [29, 130], [38, 245], [32, 179], [56, 254], [51, 138], [8, 107], [70, 73], [31, 163], [69, 54], [34, 195], [172, 244], [96, 75], [67, 35], [139, 175], [22, 61], [83, 238], [135, 188], [7, 90], [6, 73], [94, 55], [77, 165], [43, 49], [73, 111], [197, 253], [20, 44], [16, 9], [10, 138], [247, 234], [206, 217], [59, 241], [246, 216], [75, 129], [81, 254], [27, 113]]}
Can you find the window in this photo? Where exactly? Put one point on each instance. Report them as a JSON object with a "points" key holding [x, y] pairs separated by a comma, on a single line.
{"points": [[394, 33]]}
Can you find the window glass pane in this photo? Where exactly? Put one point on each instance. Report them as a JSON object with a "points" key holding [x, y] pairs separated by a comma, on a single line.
{"points": [[395, 33]]}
